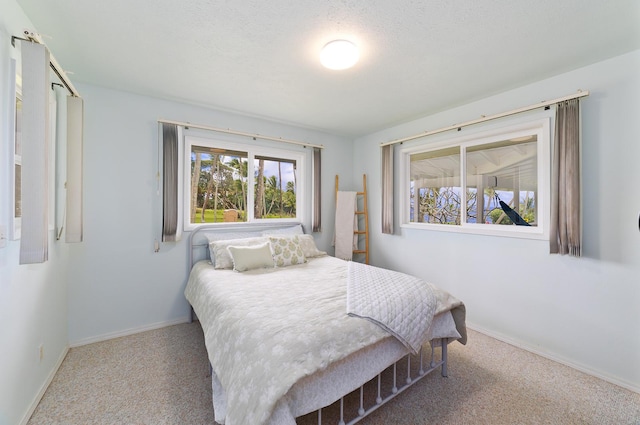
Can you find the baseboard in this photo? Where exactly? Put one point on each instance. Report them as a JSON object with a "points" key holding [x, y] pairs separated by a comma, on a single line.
{"points": [[551, 356], [130, 331], [44, 387]]}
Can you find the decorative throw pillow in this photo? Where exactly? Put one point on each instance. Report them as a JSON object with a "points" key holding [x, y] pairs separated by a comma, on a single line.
{"points": [[286, 251], [308, 244], [251, 257], [309, 247], [220, 256]]}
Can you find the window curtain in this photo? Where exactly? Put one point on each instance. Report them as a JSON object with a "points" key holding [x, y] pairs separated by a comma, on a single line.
{"points": [[565, 227], [317, 190], [75, 123], [170, 183], [35, 152], [387, 189]]}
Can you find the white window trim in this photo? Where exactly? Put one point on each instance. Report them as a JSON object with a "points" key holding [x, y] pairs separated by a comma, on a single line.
{"points": [[15, 158], [540, 127], [252, 150]]}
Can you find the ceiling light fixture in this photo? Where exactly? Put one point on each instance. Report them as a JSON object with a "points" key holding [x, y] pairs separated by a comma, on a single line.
{"points": [[339, 54]]}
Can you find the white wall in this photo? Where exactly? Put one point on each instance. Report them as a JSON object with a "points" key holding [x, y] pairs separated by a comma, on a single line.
{"points": [[584, 312], [33, 298], [118, 284]]}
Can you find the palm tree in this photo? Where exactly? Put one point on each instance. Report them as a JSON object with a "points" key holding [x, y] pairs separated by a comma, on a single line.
{"points": [[280, 185], [290, 199], [259, 209], [195, 180], [241, 168], [271, 192]]}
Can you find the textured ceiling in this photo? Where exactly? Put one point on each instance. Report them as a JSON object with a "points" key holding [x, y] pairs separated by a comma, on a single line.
{"points": [[260, 58]]}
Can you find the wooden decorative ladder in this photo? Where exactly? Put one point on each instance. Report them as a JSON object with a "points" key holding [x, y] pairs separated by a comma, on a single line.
{"points": [[364, 222]]}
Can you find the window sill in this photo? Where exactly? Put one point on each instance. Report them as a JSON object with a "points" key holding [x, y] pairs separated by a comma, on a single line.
{"points": [[258, 224], [511, 231]]}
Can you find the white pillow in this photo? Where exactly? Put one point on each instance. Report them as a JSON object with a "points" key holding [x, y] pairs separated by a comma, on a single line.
{"points": [[286, 251], [220, 256], [309, 247], [251, 257]]}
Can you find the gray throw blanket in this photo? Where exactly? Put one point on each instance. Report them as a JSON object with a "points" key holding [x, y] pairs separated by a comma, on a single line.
{"points": [[401, 304]]}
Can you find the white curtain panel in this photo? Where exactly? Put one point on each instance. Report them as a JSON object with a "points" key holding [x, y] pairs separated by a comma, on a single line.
{"points": [[75, 125], [35, 153]]}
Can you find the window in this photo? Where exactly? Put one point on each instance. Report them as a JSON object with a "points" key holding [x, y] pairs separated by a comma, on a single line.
{"points": [[231, 182], [490, 183]]}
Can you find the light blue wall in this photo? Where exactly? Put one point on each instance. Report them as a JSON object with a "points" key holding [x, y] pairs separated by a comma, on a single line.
{"points": [[580, 311], [583, 312], [117, 283], [33, 298]]}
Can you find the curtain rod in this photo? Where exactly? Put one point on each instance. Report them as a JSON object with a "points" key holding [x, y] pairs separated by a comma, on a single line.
{"points": [[542, 104], [239, 133], [55, 66]]}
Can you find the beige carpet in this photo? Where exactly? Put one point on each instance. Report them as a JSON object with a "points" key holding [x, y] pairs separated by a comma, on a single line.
{"points": [[161, 377]]}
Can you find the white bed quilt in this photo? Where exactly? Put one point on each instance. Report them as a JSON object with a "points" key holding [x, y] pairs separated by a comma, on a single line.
{"points": [[258, 349], [267, 329]]}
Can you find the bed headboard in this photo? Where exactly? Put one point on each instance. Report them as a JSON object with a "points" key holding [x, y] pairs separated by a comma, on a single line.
{"points": [[199, 239]]}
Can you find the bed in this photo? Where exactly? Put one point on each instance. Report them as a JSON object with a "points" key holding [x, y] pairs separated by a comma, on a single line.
{"points": [[279, 339]]}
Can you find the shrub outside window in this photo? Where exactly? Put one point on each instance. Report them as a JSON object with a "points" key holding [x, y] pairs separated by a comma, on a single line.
{"points": [[493, 183]]}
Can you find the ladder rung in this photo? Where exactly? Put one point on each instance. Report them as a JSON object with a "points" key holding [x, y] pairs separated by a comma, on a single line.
{"points": [[359, 212], [359, 232], [359, 251], [360, 193]]}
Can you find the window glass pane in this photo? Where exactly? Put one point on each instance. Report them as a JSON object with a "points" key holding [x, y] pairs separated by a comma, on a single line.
{"points": [[435, 186], [275, 188], [218, 185], [504, 171]]}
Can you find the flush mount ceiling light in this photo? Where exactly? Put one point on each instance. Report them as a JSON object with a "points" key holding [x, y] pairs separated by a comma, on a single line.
{"points": [[339, 54]]}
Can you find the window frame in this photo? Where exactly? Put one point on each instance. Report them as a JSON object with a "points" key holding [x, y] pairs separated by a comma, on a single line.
{"points": [[15, 151], [539, 127], [253, 151]]}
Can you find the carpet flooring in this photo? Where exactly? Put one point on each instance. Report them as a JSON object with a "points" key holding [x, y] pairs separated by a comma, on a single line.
{"points": [[162, 377]]}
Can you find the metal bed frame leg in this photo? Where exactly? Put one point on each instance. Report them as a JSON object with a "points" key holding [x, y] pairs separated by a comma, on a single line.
{"points": [[341, 411], [443, 345], [395, 386], [432, 364]]}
